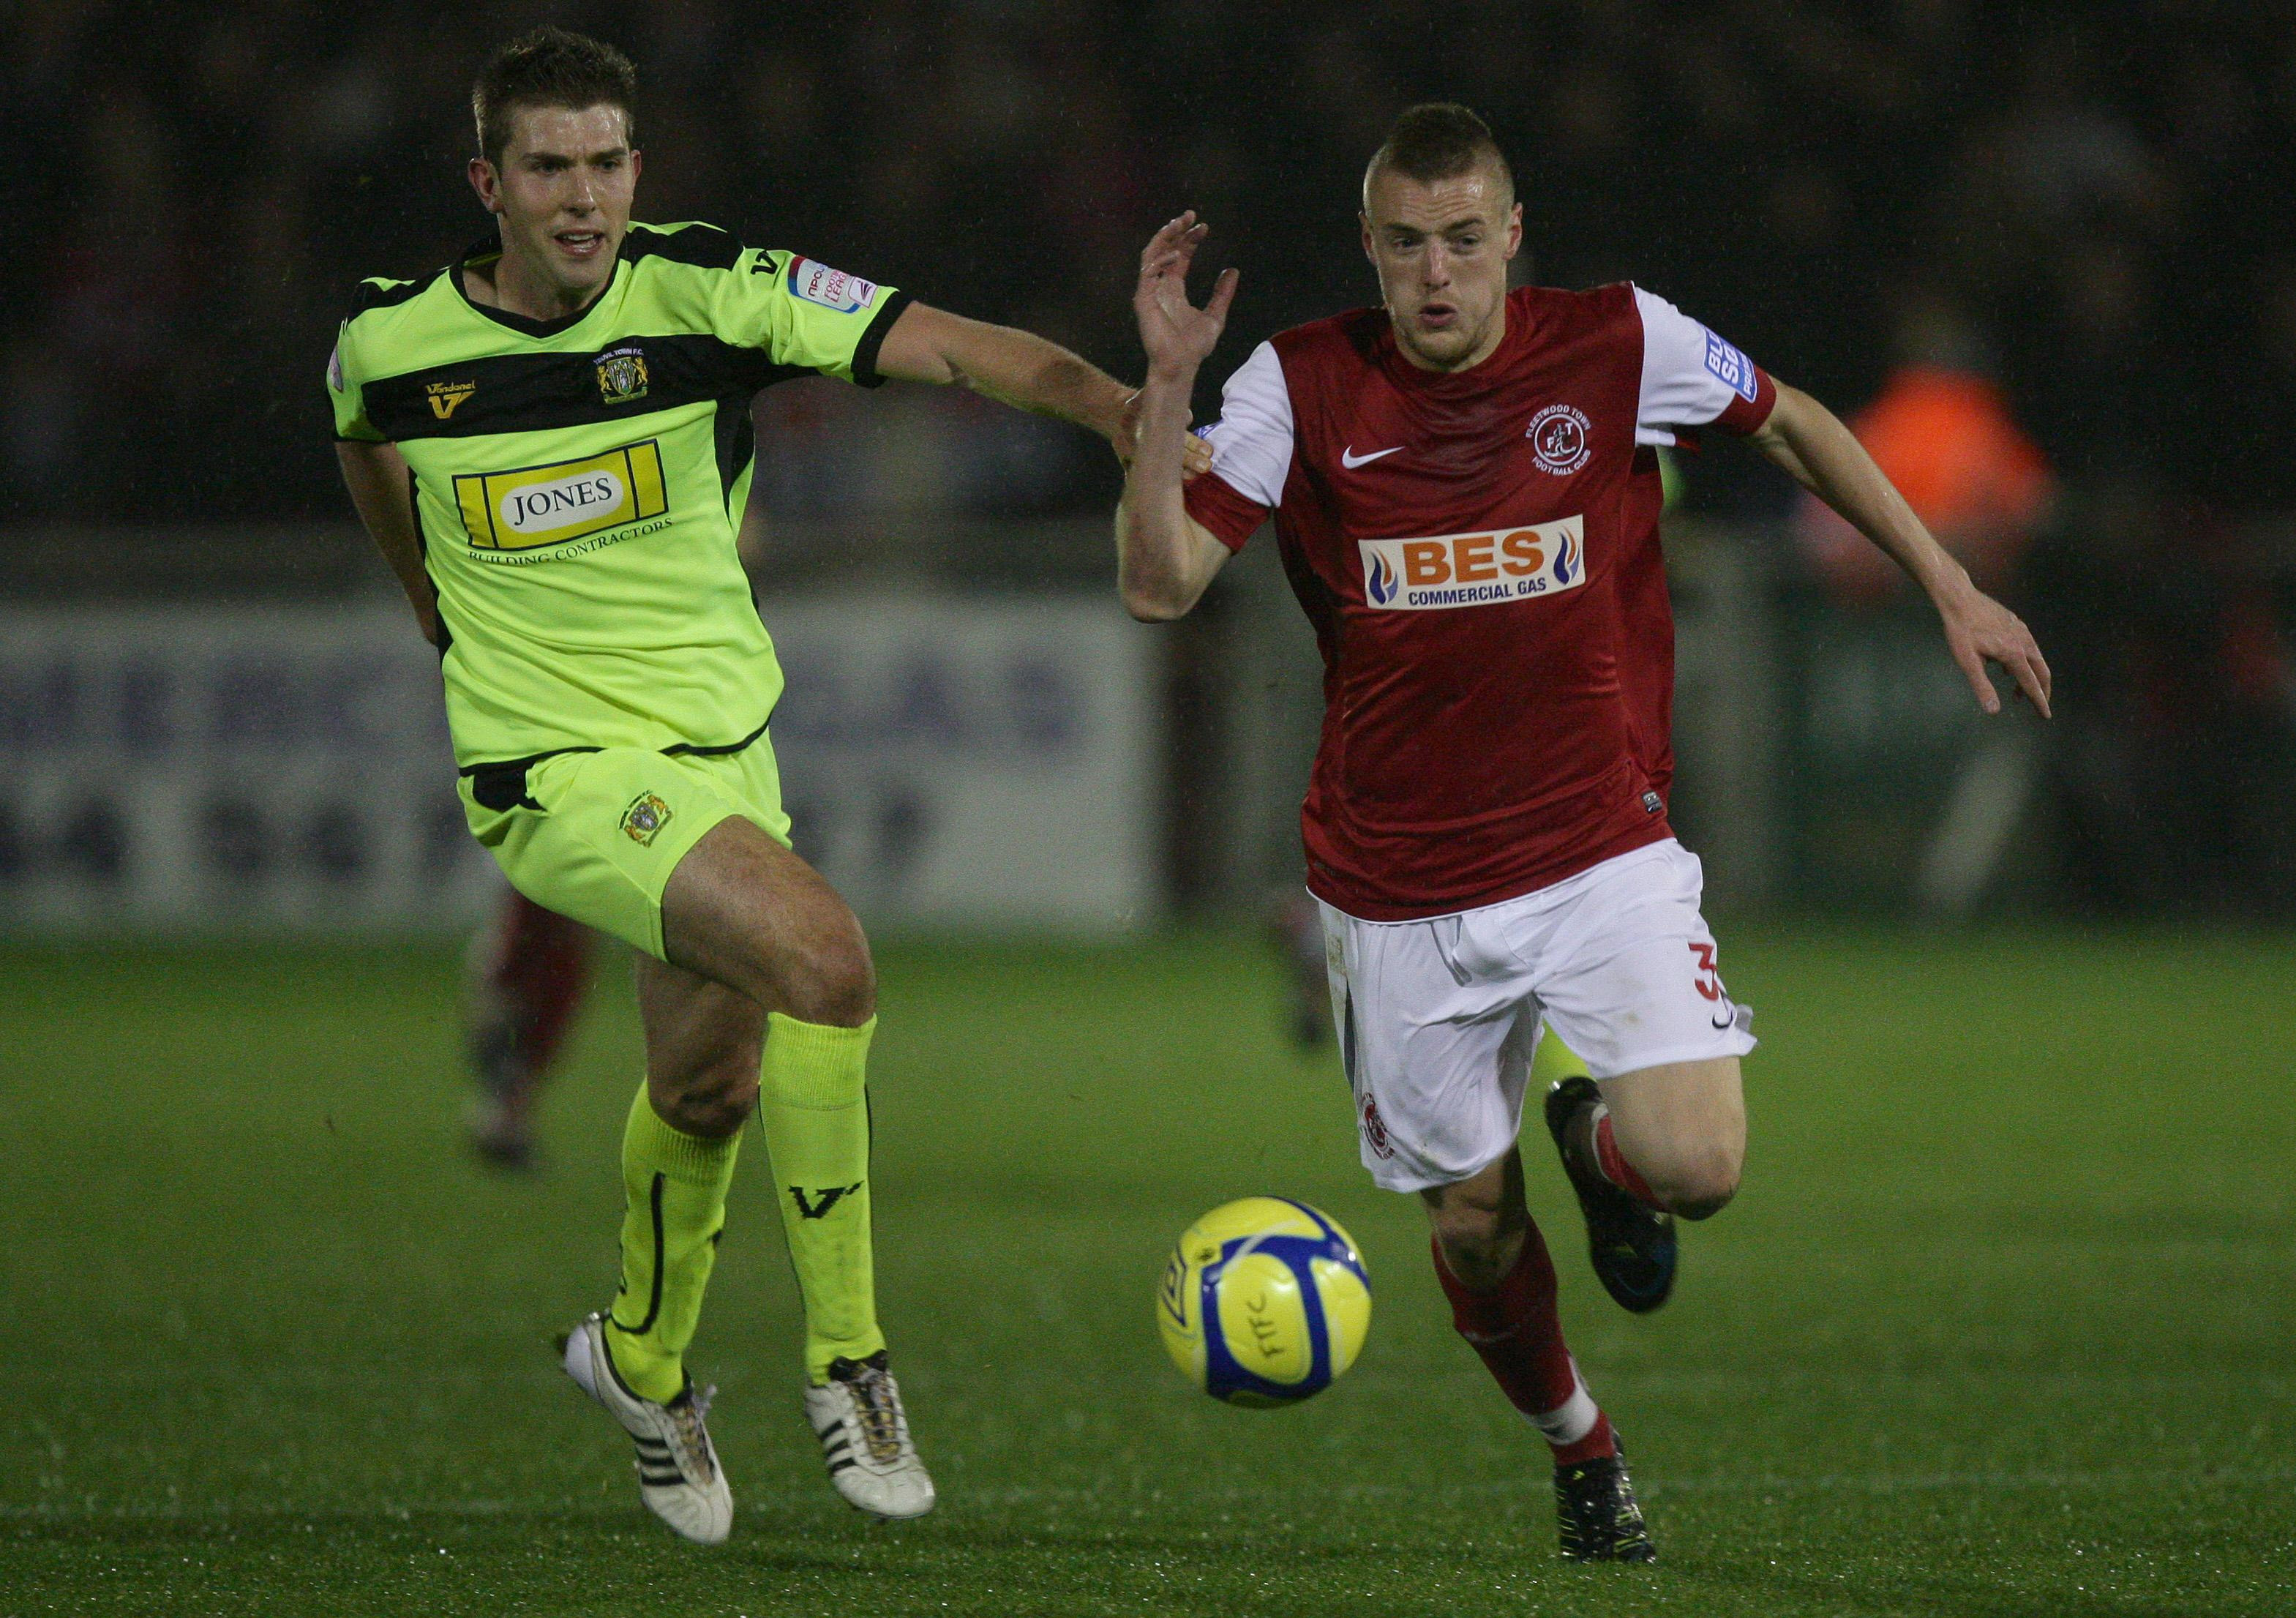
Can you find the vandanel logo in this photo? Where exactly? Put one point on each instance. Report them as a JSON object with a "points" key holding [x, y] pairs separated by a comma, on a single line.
{"points": [[539, 505], [445, 396]]}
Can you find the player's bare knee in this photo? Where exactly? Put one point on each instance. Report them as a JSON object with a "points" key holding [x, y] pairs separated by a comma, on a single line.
{"points": [[1464, 1224], [1699, 1184], [1481, 1261], [1476, 1232], [834, 980]]}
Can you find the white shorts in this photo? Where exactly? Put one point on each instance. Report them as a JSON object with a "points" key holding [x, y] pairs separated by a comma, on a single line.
{"points": [[1437, 1019]]}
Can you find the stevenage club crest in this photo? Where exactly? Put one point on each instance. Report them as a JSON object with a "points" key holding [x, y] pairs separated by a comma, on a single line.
{"points": [[622, 374]]}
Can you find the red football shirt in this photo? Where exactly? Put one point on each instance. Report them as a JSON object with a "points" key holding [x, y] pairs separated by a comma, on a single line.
{"points": [[1478, 553]]}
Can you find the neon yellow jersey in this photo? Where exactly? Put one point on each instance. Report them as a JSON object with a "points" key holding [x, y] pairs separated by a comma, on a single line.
{"points": [[579, 481]]}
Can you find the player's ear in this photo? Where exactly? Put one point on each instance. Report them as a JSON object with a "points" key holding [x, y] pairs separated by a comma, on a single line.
{"points": [[1364, 219], [1514, 230], [486, 182]]}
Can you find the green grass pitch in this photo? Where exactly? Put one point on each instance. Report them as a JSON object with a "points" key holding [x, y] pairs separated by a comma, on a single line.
{"points": [[2004, 1322]]}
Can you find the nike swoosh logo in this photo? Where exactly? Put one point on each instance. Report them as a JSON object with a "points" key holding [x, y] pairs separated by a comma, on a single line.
{"points": [[1350, 459]]}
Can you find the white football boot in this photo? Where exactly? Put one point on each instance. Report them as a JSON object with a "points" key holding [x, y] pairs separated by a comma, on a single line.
{"points": [[678, 1476], [865, 1438]]}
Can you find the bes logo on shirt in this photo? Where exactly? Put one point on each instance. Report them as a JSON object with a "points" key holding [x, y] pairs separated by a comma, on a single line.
{"points": [[1729, 366], [1474, 570]]}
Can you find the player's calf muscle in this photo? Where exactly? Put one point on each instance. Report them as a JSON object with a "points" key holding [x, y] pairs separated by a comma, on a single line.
{"points": [[711, 1101], [703, 1042]]}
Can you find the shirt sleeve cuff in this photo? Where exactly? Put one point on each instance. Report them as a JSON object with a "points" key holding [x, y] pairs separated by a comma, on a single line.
{"points": [[866, 374], [1231, 517], [1743, 415]]}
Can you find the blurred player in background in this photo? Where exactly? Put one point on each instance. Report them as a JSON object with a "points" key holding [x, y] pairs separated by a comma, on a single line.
{"points": [[527, 974], [1941, 432], [550, 438], [1466, 490]]}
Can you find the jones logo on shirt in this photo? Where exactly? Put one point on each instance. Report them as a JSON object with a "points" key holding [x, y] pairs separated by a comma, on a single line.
{"points": [[1474, 570], [832, 289], [538, 505], [560, 501]]}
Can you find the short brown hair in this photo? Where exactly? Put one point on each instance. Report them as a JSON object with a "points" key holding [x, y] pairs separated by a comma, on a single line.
{"points": [[1439, 140], [551, 66]]}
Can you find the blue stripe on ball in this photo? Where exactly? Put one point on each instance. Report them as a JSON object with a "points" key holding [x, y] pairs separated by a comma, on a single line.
{"points": [[1339, 1251], [1223, 1377]]}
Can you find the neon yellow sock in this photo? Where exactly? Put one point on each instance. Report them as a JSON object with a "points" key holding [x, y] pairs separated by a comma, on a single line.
{"points": [[675, 1186], [811, 1100], [1553, 1063]]}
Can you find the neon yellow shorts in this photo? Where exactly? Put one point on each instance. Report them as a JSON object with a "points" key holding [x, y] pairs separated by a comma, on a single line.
{"points": [[597, 834]]}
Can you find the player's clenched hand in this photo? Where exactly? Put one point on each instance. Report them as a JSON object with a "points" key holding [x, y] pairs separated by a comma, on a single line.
{"points": [[1176, 334], [1195, 453], [1979, 630]]}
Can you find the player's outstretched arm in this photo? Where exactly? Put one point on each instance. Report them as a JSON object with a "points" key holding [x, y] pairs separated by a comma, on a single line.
{"points": [[382, 489], [1165, 558], [1810, 442], [1012, 366]]}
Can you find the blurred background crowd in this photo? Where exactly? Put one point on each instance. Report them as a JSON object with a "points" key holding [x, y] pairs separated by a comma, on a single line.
{"points": [[2039, 252], [2088, 202]]}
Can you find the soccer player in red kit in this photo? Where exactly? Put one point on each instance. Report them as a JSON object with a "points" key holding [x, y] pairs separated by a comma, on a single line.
{"points": [[1465, 489], [528, 972]]}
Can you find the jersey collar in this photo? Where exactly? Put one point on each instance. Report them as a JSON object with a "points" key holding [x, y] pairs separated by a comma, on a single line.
{"points": [[480, 250]]}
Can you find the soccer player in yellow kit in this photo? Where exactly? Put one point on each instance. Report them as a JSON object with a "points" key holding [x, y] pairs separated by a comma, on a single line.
{"points": [[551, 441]]}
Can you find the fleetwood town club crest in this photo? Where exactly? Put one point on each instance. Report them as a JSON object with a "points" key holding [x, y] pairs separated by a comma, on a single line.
{"points": [[643, 821], [622, 374], [1374, 1129], [1558, 440]]}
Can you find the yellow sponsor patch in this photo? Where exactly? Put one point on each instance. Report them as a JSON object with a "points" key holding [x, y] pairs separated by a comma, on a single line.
{"points": [[538, 505]]}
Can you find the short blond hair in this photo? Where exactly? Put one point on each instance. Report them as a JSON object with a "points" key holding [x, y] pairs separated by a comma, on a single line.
{"points": [[1439, 140]]}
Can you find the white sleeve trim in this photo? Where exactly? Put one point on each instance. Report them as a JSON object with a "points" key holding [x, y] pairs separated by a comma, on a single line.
{"points": [[1251, 440], [1689, 374]]}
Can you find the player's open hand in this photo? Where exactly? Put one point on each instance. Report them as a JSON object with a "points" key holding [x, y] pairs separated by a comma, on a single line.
{"points": [[1177, 334], [1979, 630]]}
